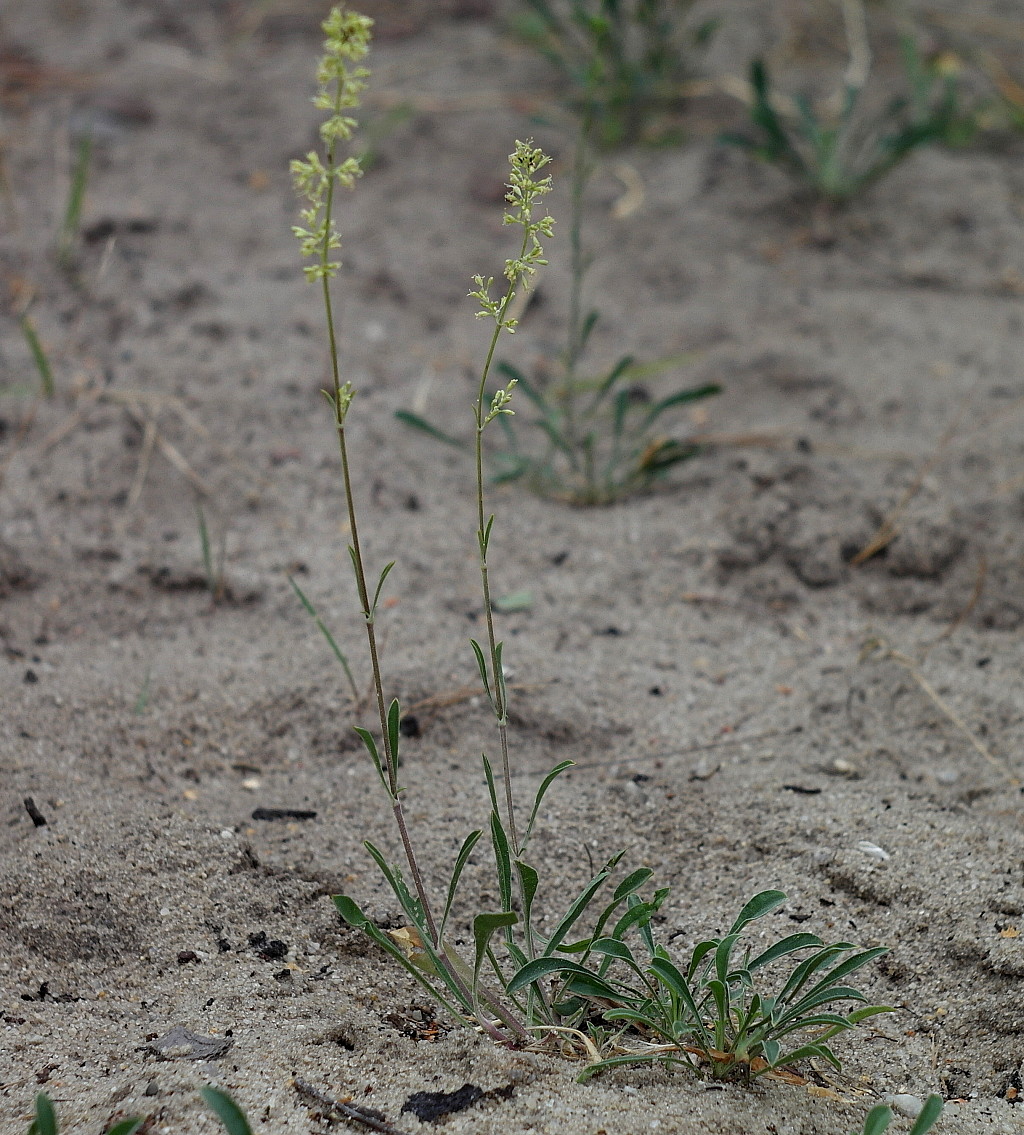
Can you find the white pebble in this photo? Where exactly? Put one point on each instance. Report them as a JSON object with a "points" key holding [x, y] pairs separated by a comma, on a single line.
{"points": [[866, 847], [907, 1105]]}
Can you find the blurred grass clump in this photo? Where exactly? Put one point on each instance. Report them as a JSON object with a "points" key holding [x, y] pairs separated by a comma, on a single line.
{"points": [[623, 63]]}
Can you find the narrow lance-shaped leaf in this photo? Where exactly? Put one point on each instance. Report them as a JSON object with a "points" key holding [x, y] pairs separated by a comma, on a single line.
{"points": [[502, 860], [351, 913], [371, 747], [928, 1115], [394, 721], [786, 946], [677, 985], [380, 585], [45, 1122], [760, 905], [127, 1126], [227, 1111], [416, 422], [545, 784], [481, 663], [574, 913], [460, 865], [680, 398], [528, 883], [410, 904], [877, 1120], [484, 927]]}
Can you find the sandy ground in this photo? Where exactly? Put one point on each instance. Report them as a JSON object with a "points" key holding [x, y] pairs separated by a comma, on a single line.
{"points": [[697, 652]]}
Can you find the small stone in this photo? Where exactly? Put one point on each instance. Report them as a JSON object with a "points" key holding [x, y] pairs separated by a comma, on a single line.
{"points": [[905, 1104], [866, 847]]}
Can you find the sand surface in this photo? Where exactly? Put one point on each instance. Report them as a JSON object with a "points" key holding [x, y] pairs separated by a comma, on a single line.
{"points": [[699, 652]]}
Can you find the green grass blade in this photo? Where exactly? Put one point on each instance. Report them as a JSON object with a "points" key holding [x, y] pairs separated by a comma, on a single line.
{"points": [[681, 398], [322, 627], [28, 329], [76, 198], [227, 1111]]}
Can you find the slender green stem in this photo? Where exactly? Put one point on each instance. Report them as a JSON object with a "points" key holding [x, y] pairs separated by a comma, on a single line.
{"points": [[390, 757], [483, 540], [574, 345]]}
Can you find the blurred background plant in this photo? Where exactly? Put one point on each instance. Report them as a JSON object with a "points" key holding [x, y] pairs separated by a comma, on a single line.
{"points": [[838, 148], [586, 439], [624, 63]]}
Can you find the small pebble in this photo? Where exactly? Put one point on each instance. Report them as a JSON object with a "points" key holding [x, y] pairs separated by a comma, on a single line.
{"points": [[907, 1105], [866, 847]]}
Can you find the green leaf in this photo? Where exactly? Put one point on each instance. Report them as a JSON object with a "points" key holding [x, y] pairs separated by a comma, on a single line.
{"points": [[877, 1120], [371, 747], [572, 916], [482, 667], [632, 882], [633, 1058], [589, 985], [502, 859], [677, 985], [805, 1052], [928, 1115], [408, 418], [529, 880], [723, 955], [38, 356], [409, 903], [787, 946], [680, 398], [484, 927], [45, 1122], [544, 967], [513, 602], [394, 729], [545, 784], [127, 1126], [380, 584], [700, 952], [760, 905], [460, 865], [227, 1111], [613, 948], [489, 777], [351, 913]]}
